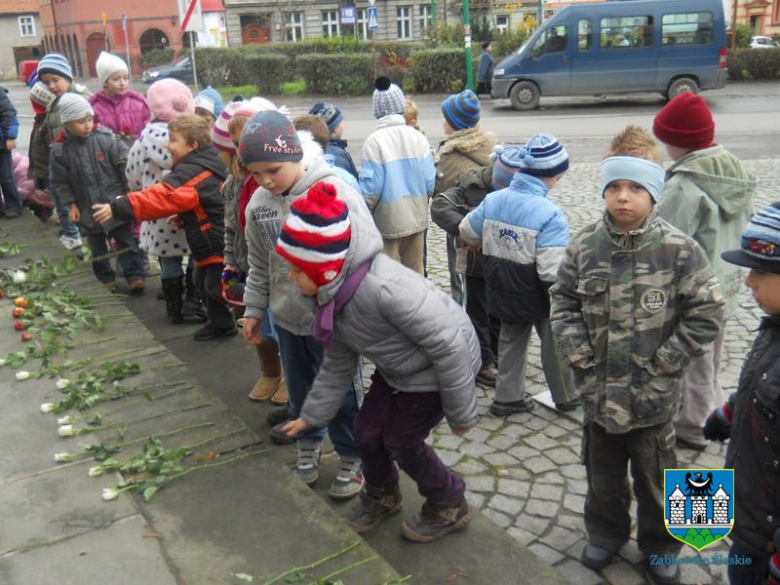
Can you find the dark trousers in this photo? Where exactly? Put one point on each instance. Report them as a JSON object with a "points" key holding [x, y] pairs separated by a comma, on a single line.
{"points": [[753, 574], [11, 199], [131, 261], [487, 327], [484, 87], [456, 280], [649, 451], [207, 279], [392, 426]]}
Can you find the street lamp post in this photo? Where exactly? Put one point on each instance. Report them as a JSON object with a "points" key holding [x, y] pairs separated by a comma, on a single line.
{"points": [[467, 35]]}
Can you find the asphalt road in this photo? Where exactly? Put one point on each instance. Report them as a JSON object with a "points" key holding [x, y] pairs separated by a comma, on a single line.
{"points": [[747, 115]]}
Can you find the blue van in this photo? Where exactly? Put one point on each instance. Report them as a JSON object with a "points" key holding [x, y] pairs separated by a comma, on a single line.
{"points": [[629, 46]]}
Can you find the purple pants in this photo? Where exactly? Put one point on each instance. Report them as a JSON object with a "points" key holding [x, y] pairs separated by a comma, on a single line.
{"points": [[392, 426]]}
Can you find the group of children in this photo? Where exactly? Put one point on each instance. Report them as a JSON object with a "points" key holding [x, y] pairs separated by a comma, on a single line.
{"points": [[328, 262]]}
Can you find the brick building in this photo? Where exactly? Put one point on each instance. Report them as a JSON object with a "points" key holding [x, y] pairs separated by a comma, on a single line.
{"points": [[20, 29]]}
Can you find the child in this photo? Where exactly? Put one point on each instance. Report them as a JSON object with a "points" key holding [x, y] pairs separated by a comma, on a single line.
{"points": [[523, 234], [369, 304], [88, 168], [208, 105], [55, 72], [271, 150], [148, 163], [411, 113], [190, 191], [117, 107], [40, 98], [465, 148], [319, 132], [750, 416], [336, 154], [709, 196], [397, 177], [9, 128], [634, 302]]}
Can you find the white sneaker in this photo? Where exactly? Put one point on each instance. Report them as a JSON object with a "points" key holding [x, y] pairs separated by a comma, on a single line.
{"points": [[70, 243]]}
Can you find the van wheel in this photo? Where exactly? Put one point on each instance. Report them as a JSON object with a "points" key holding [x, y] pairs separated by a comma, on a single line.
{"points": [[681, 85], [524, 96]]}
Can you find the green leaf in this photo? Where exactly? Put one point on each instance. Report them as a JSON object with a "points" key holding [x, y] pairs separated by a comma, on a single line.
{"points": [[295, 577], [244, 577], [149, 492], [148, 396]]}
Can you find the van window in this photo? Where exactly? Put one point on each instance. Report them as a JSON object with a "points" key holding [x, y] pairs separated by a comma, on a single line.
{"points": [[584, 34], [552, 41], [626, 32], [694, 28]]}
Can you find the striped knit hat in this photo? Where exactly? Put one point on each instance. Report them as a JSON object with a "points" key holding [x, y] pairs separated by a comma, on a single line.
{"points": [[505, 165], [461, 110], [388, 98], [316, 235], [543, 156], [329, 113], [220, 136], [760, 245], [56, 64]]}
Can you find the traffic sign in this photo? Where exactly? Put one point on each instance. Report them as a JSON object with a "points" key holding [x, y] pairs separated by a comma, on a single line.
{"points": [[190, 15], [348, 15], [373, 18]]}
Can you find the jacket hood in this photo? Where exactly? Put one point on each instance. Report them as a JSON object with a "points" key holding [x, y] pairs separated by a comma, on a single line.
{"points": [[206, 156], [391, 120], [471, 142], [310, 147], [481, 179], [720, 175], [528, 184]]}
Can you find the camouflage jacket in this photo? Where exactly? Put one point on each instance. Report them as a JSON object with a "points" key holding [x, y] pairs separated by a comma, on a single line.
{"points": [[637, 308]]}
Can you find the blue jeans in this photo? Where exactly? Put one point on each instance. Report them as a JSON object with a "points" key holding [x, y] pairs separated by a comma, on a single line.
{"points": [[7, 182], [301, 360], [66, 227], [171, 266], [132, 262]]}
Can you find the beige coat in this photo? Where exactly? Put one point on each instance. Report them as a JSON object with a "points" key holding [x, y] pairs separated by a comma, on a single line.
{"points": [[463, 151]]}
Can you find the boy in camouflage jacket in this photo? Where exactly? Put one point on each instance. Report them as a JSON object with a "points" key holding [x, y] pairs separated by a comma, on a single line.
{"points": [[635, 302]]}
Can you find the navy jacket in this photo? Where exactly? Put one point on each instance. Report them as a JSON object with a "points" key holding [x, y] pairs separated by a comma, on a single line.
{"points": [[338, 155], [9, 124]]}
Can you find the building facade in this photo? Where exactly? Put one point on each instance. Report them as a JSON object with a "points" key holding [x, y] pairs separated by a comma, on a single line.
{"points": [[762, 16], [20, 29]]}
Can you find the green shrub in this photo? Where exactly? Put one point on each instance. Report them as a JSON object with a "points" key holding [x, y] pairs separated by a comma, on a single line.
{"points": [[268, 71], [754, 64], [439, 70], [445, 35], [223, 66], [157, 57], [337, 74], [508, 42]]}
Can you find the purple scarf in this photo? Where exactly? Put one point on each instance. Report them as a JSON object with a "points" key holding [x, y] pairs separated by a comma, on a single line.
{"points": [[322, 326]]}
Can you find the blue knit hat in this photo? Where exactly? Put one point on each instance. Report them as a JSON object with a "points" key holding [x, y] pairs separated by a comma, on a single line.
{"points": [[543, 156], [329, 113], [760, 245], [388, 98], [461, 110], [505, 165], [210, 100], [56, 64], [269, 137]]}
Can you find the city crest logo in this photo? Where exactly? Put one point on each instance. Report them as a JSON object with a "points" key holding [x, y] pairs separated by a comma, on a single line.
{"points": [[699, 505]]}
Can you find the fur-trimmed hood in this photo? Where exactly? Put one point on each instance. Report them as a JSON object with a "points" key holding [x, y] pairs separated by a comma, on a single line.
{"points": [[471, 142]]}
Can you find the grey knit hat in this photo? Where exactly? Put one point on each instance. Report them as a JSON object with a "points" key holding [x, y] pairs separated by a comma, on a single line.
{"points": [[269, 137], [388, 98], [73, 107]]}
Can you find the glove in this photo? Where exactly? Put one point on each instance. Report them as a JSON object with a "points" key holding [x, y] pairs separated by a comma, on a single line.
{"points": [[717, 427]]}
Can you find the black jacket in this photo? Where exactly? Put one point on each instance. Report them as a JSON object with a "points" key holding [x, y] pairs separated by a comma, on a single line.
{"points": [[9, 124], [754, 448]]}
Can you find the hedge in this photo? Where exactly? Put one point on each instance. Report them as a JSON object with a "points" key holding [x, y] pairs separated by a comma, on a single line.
{"points": [[337, 74], [754, 64], [157, 57], [439, 70], [237, 66], [268, 71]]}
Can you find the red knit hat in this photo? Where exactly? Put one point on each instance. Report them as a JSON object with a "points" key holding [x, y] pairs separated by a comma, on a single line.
{"points": [[316, 235], [685, 121]]}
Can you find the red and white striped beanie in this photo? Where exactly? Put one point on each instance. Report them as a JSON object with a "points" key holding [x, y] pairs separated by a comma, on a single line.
{"points": [[220, 136], [316, 235]]}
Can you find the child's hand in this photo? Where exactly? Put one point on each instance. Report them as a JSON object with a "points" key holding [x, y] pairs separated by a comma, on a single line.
{"points": [[102, 212], [459, 432], [294, 427], [175, 221], [74, 215], [252, 330]]}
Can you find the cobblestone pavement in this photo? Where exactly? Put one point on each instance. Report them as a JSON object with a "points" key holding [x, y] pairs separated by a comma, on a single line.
{"points": [[524, 472]]}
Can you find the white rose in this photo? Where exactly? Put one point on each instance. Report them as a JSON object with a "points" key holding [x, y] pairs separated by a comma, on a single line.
{"points": [[63, 457], [62, 383], [95, 471], [47, 407], [2, 363], [110, 494], [20, 277], [66, 431], [22, 375], [66, 420]]}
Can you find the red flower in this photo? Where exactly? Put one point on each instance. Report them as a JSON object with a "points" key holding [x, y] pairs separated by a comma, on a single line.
{"points": [[18, 325], [26, 336], [17, 312], [1, 294], [21, 302], [100, 156]]}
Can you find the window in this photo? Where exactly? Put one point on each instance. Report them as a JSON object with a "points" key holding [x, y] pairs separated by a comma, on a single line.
{"points": [[693, 28], [502, 22], [584, 35], [424, 11], [27, 26], [627, 32], [330, 23], [404, 19], [552, 41], [362, 23], [295, 27]]}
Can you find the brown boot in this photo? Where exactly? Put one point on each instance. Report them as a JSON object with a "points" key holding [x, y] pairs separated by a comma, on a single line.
{"points": [[270, 371], [279, 397], [374, 506], [437, 520]]}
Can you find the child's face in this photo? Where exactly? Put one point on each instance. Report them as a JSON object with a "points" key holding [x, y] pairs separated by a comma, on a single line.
{"points": [[765, 287], [299, 278], [206, 115], [56, 84], [81, 128], [276, 177], [628, 203], [117, 84], [179, 147]]}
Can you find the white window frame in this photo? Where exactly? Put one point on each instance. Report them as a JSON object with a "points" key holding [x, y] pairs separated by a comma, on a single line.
{"points": [[295, 31], [424, 14], [403, 18], [331, 27], [27, 26], [502, 27], [362, 23]]}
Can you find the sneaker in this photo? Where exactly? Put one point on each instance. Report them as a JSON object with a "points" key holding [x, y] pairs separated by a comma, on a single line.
{"points": [[663, 573], [137, 286], [487, 376], [207, 333], [12, 213], [568, 406], [276, 416], [70, 243], [525, 404], [349, 479], [375, 505], [308, 464], [278, 436], [596, 557], [435, 521]]}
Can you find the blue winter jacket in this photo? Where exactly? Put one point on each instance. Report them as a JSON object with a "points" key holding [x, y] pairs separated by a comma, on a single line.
{"points": [[523, 236], [337, 155], [9, 124]]}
